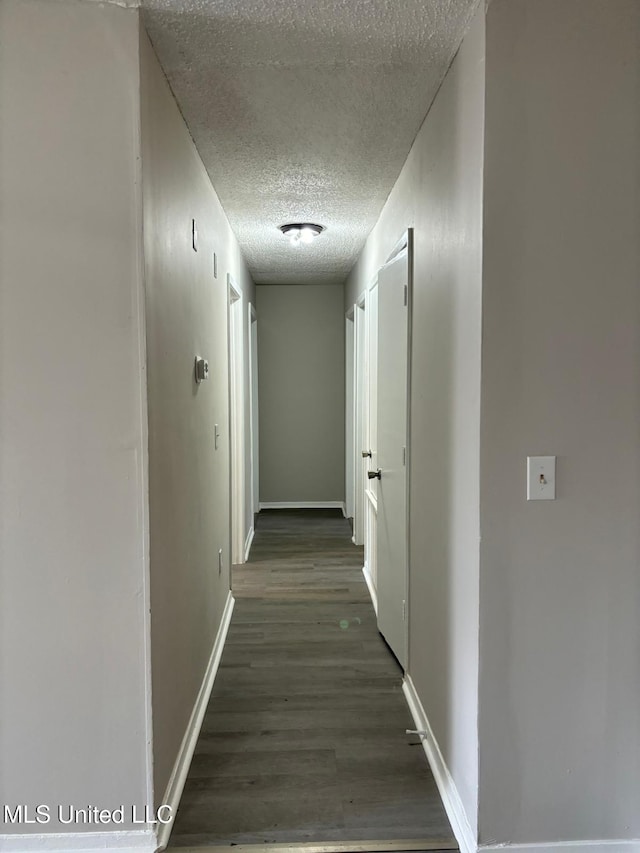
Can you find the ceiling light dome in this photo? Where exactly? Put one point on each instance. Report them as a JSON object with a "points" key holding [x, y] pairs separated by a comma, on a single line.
{"points": [[301, 232]]}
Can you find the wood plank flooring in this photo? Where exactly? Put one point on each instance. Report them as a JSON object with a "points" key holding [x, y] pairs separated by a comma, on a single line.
{"points": [[304, 735]]}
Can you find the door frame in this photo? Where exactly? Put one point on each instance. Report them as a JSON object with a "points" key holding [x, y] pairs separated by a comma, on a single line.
{"points": [[236, 419], [253, 414], [360, 402], [350, 418]]}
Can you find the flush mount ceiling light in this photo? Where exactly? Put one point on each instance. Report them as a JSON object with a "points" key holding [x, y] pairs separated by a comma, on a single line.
{"points": [[301, 232]]}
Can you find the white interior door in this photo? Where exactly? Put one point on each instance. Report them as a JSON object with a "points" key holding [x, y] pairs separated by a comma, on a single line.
{"points": [[370, 441], [390, 459]]}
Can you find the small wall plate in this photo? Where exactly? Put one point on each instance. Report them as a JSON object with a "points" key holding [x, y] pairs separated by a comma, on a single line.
{"points": [[201, 369]]}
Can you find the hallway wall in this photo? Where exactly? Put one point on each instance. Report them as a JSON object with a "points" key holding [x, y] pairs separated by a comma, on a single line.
{"points": [[559, 581], [186, 313], [439, 193], [74, 599], [301, 377], [555, 255]]}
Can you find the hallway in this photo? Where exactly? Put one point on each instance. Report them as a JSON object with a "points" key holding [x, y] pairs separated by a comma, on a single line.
{"points": [[304, 735]]}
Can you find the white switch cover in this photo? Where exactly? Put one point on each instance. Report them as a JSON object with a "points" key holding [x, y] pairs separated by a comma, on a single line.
{"points": [[541, 478]]}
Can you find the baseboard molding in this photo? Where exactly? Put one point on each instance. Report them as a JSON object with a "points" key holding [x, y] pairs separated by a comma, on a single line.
{"points": [[304, 505], [181, 767], [455, 809], [631, 845], [125, 841], [402, 846], [371, 587], [248, 543], [447, 787]]}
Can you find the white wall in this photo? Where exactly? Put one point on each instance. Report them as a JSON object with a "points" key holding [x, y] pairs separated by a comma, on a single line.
{"points": [[188, 478], [302, 386], [560, 586], [72, 447], [439, 193]]}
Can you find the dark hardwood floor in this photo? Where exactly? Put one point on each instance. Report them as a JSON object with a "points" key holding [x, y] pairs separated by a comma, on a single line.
{"points": [[304, 735]]}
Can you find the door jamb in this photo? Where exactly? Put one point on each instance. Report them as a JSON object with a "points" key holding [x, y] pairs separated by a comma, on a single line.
{"points": [[350, 417], [236, 420], [253, 411], [360, 414]]}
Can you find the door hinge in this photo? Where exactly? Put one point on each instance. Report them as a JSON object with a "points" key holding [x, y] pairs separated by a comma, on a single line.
{"points": [[404, 610], [404, 456], [406, 293]]}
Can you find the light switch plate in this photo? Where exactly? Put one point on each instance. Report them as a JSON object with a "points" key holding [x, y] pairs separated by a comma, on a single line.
{"points": [[201, 369], [541, 478]]}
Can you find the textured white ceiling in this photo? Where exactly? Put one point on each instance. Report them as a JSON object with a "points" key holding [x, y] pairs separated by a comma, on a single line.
{"points": [[304, 110]]}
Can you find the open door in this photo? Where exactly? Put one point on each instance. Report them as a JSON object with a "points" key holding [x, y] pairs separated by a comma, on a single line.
{"points": [[390, 459]]}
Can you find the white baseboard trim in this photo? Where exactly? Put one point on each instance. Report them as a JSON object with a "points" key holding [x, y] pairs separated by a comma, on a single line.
{"points": [[248, 543], [125, 841], [181, 767], [303, 505], [371, 587], [631, 845], [447, 787], [417, 845]]}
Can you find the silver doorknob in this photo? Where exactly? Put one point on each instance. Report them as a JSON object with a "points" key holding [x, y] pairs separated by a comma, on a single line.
{"points": [[373, 474], [366, 453]]}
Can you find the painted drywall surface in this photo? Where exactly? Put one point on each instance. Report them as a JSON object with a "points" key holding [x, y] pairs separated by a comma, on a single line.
{"points": [[186, 311], [560, 587], [439, 193], [301, 386], [72, 445]]}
